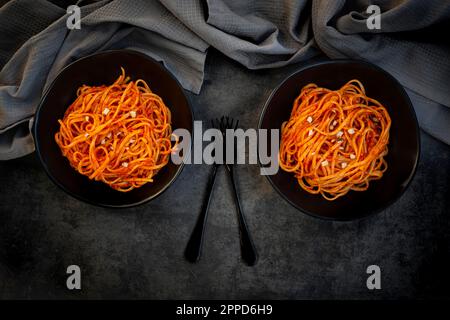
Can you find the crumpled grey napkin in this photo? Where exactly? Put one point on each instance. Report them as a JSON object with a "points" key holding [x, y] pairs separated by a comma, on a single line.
{"points": [[410, 45], [35, 44]]}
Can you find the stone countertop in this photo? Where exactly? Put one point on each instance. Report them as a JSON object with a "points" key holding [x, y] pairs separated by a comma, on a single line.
{"points": [[138, 252]]}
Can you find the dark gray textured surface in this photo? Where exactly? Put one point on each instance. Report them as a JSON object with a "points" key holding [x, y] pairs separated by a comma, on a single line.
{"points": [[138, 253]]}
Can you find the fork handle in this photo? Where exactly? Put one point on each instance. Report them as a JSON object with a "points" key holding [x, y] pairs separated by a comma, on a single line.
{"points": [[194, 247], [248, 250]]}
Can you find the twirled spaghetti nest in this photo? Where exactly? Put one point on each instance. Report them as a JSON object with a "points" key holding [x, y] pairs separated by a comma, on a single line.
{"points": [[335, 141], [118, 134]]}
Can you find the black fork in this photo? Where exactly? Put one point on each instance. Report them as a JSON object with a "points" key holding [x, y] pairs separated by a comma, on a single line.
{"points": [[193, 249], [248, 250]]}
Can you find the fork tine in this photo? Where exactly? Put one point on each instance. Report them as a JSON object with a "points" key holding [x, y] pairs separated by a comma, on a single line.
{"points": [[225, 122]]}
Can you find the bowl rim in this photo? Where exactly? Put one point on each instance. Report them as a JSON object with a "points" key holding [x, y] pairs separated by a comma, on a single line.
{"points": [[402, 92], [36, 124]]}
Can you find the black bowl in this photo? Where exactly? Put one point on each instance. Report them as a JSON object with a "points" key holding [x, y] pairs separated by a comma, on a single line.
{"points": [[97, 69], [404, 142]]}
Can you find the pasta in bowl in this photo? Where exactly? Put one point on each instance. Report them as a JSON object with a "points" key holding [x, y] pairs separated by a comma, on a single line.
{"points": [[335, 140], [349, 139], [104, 135], [118, 134]]}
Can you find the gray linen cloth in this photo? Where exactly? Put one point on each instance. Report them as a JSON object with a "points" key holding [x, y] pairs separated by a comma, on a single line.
{"points": [[35, 44]]}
